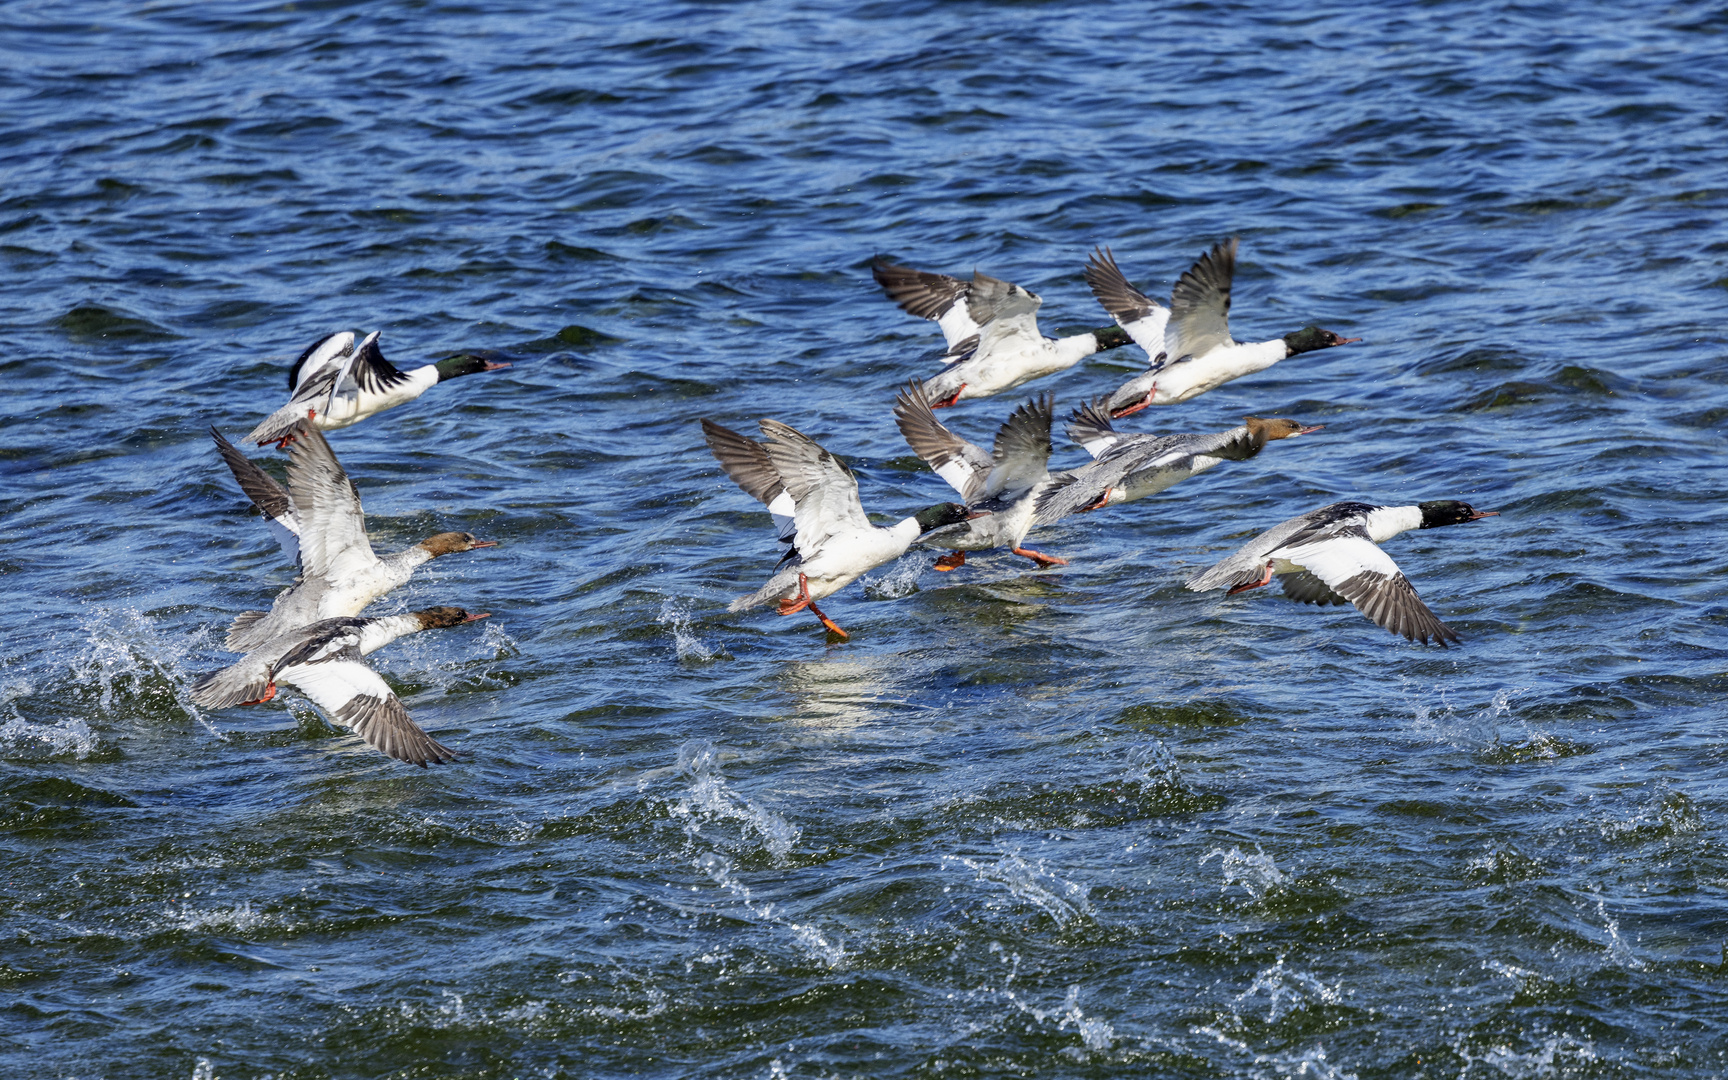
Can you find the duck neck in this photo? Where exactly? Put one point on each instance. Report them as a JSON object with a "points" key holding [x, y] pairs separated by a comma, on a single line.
{"points": [[380, 632], [1385, 522]]}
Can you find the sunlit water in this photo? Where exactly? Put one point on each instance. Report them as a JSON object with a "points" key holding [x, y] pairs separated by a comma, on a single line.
{"points": [[1073, 823]]}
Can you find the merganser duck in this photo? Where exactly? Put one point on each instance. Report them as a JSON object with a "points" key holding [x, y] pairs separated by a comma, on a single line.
{"points": [[991, 327], [339, 573], [335, 385], [1189, 342], [833, 542], [322, 661], [1000, 487], [1130, 467], [1329, 556]]}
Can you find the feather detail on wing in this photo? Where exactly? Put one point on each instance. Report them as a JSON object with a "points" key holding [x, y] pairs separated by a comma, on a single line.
{"points": [[353, 694], [1200, 304], [928, 296], [824, 491], [333, 542], [266, 494], [1090, 426], [1354, 567], [963, 465], [319, 355], [240, 682], [1304, 588], [989, 299], [1144, 318], [746, 461], [1020, 457]]}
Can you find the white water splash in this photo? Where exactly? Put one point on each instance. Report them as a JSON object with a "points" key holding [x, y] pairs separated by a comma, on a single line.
{"points": [[203, 1070], [124, 653], [710, 799], [66, 737], [1061, 899], [1444, 722], [675, 617], [239, 919], [1256, 873], [1619, 950], [719, 870], [1559, 1055], [900, 579], [1288, 990]]}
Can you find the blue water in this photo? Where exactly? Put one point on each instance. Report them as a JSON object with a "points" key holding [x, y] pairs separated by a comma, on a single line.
{"points": [[1080, 823]]}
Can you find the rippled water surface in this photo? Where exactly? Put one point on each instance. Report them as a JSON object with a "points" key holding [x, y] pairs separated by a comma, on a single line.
{"points": [[1076, 823]]}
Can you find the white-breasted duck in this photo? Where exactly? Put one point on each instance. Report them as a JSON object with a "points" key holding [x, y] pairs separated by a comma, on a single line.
{"points": [[339, 573], [833, 543], [1000, 487], [335, 385], [322, 661], [1189, 342], [1331, 556], [1130, 467], [991, 327]]}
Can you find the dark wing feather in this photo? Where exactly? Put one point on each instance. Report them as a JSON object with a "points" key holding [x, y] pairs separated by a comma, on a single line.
{"points": [[745, 461], [918, 292], [1090, 423], [1122, 300], [1200, 302], [955, 460], [1304, 588], [266, 494], [1390, 601], [372, 372], [385, 725], [1021, 453]]}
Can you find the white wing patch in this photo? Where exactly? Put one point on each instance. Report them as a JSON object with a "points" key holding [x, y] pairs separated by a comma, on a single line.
{"points": [[1338, 559]]}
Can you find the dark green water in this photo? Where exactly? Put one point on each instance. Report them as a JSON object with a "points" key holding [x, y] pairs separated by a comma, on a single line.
{"points": [[1081, 823]]}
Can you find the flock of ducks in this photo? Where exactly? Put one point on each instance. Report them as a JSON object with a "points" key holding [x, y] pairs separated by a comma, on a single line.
{"points": [[992, 344], [313, 637]]}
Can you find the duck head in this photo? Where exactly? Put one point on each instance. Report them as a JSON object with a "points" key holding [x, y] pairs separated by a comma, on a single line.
{"points": [[942, 514], [1265, 431], [470, 363], [449, 543], [1310, 338], [1450, 512], [438, 618]]}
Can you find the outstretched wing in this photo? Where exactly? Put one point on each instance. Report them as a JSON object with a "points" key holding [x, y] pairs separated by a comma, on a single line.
{"points": [[1354, 567], [928, 296], [1249, 561], [824, 491], [324, 352], [965, 466], [1200, 304], [333, 540], [746, 461], [1141, 316], [1020, 459], [1090, 426], [1002, 310], [266, 494], [353, 694]]}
